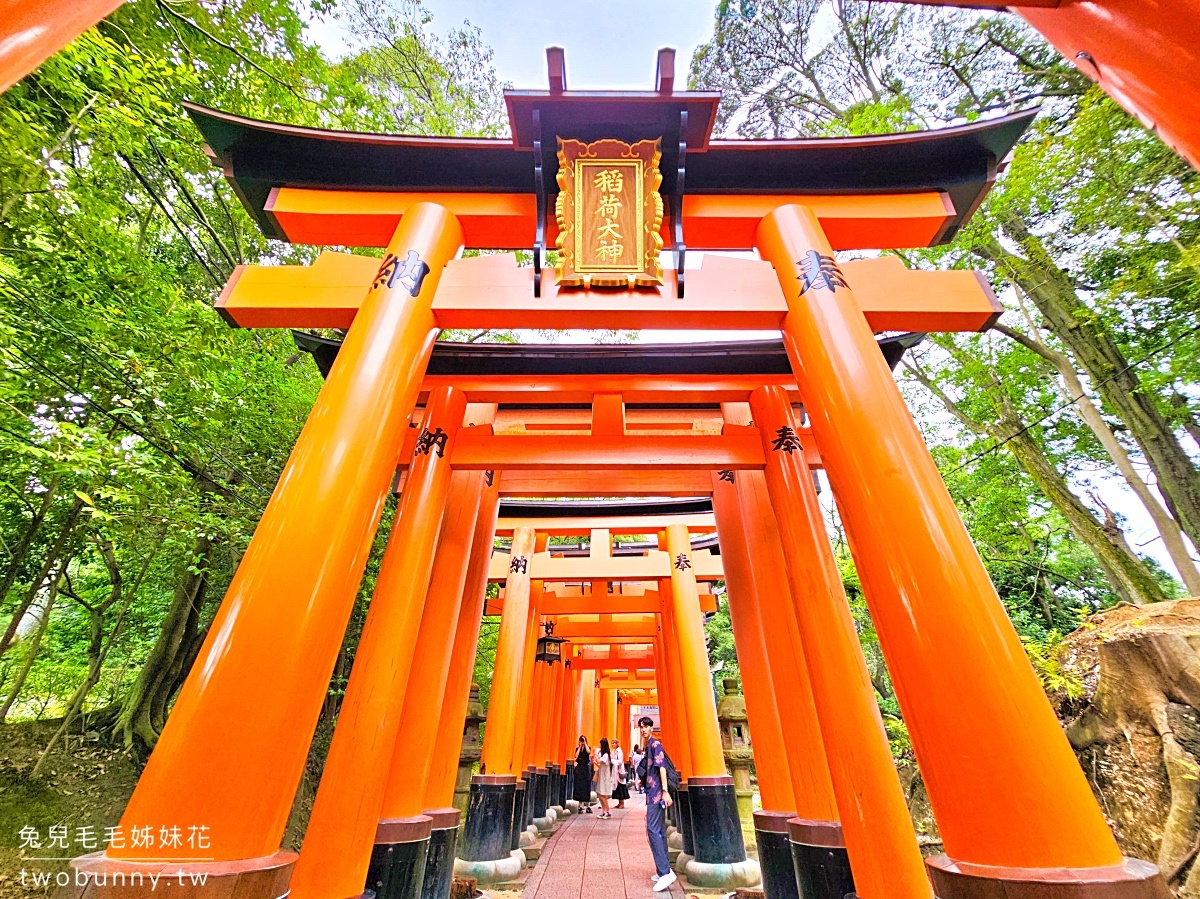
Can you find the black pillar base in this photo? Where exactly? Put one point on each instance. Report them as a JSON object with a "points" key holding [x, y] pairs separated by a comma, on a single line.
{"points": [[819, 855], [775, 855], [530, 793], [684, 814], [555, 775], [716, 829], [397, 868], [439, 863], [673, 811], [568, 781], [517, 821], [541, 792], [489, 818]]}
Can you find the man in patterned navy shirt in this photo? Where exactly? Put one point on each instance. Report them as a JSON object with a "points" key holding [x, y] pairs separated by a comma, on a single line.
{"points": [[658, 800]]}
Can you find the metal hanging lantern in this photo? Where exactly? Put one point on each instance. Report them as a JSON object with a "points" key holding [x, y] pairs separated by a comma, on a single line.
{"points": [[549, 647]]}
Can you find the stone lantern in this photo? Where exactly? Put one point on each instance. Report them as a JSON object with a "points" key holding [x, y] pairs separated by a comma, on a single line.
{"points": [[472, 748], [735, 741]]}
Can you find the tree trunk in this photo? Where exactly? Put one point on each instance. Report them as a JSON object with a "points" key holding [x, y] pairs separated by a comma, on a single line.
{"points": [[21, 550], [1130, 579], [1167, 526], [98, 645], [35, 646], [143, 709], [1118, 384], [52, 558], [1189, 420]]}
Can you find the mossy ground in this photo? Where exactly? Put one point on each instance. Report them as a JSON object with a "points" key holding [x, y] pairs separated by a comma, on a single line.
{"points": [[84, 783]]}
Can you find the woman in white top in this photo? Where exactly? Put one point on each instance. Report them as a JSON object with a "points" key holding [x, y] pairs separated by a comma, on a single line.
{"points": [[604, 777], [620, 788]]}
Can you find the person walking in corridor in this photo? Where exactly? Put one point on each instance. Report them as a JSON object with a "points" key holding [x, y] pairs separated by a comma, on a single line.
{"points": [[581, 788], [604, 777], [620, 774], [635, 764], [658, 800]]}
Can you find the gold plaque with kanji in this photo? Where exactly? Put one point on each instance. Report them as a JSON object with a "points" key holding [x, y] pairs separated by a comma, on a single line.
{"points": [[609, 213]]}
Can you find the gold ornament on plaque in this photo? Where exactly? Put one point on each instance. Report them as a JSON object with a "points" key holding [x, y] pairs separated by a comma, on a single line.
{"points": [[609, 213]]}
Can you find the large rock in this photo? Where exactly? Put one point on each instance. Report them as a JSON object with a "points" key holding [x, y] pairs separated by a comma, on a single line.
{"points": [[1128, 691]]}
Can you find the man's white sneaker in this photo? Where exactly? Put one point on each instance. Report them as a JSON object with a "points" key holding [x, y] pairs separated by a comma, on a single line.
{"points": [[665, 881]]}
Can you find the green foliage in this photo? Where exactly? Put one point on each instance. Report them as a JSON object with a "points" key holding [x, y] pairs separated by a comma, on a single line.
{"points": [[1046, 662], [718, 631], [132, 420]]}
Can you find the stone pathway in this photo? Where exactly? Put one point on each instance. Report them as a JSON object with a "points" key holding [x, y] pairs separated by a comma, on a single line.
{"points": [[591, 858]]}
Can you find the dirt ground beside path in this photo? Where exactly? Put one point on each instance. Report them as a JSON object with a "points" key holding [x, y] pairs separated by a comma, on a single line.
{"points": [[84, 784]]}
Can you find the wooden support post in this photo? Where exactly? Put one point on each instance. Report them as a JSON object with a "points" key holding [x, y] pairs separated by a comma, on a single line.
{"points": [[674, 719], [443, 773], [565, 742], [545, 718], [700, 708], [508, 677], [235, 745], [771, 757], [587, 706], [412, 758], [563, 702], [878, 829], [535, 710], [534, 721], [487, 836], [608, 726], [1017, 800], [553, 738], [808, 848], [523, 743], [413, 754], [578, 712], [811, 782], [338, 840], [597, 712], [710, 810]]}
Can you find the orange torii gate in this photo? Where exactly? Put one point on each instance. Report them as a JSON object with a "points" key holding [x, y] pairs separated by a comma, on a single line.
{"points": [[1015, 812]]}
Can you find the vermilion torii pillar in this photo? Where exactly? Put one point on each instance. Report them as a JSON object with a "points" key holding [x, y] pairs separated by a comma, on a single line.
{"points": [[345, 815], [878, 828], [771, 759], [1013, 809], [443, 774], [720, 856], [235, 745], [486, 851], [523, 765], [764, 622], [412, 756], [460, 570], [553, 739]]}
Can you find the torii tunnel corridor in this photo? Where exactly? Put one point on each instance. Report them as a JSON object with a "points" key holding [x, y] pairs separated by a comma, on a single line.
{"points": [[605, 490]]}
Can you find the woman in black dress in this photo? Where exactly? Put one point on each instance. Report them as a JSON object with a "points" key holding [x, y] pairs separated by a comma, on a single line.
{"points": [[581, 788], [620, 775]]}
